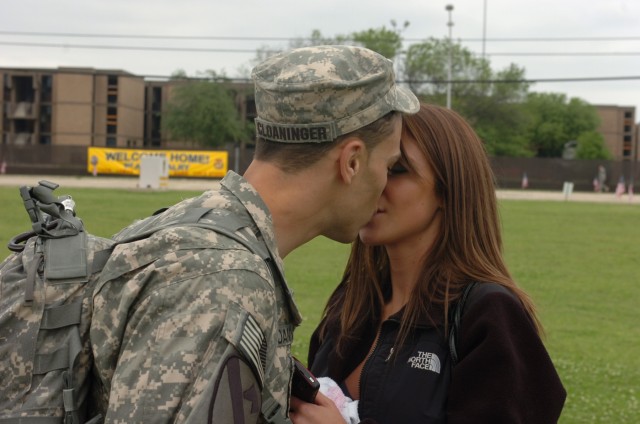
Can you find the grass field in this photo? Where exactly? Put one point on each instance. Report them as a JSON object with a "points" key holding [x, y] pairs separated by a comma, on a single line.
{"points": [[579, 261]]}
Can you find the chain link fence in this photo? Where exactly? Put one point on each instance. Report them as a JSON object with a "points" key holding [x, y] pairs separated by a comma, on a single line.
{"points": [[540, 173]]}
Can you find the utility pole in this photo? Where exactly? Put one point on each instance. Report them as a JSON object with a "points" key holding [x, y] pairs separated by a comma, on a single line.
{"points": [[484, 28], [449, 8]]}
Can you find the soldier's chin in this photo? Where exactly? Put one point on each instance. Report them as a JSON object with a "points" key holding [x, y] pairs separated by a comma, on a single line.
{"points": [[345, 237]]}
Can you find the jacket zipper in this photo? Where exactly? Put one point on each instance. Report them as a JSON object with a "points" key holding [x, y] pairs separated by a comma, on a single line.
{"points": [[389, 356], [366, 361], [370, 355]]}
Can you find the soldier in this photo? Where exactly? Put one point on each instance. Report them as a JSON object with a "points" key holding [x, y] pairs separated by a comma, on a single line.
{"points": [[190, 325]]}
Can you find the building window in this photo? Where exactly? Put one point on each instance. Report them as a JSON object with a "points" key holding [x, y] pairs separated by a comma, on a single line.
{"points": [[45, 118], [111, 142], [112, 116], [627, 128], [627, 138], [45, 140], [24, 89], [112, 89], [6, 88], [46, 84], [628, 114], [156, 99]]}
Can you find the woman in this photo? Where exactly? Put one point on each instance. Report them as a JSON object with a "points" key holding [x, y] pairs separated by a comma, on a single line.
{"points": [[384, 336]]}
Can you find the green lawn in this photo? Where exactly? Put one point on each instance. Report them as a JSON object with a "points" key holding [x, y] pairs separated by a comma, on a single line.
{"points": [[579, 261]]}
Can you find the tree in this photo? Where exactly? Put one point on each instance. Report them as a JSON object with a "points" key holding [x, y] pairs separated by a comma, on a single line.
{"points": [[204, 112], [266, 51], [555, 121], [387, 42], [316, 39], [426, 69], [496, 102], [489, 100], [591, 146]]}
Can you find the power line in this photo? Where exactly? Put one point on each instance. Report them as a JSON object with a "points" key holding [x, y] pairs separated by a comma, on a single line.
{"points": [[236, 50], [564, 54], [550, 39], [108, 47], [249, 38], [458, 81], [142, 36], [525, 80]]}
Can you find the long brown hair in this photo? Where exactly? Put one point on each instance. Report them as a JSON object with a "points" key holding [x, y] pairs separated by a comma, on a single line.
{"points": [[468, 246]]}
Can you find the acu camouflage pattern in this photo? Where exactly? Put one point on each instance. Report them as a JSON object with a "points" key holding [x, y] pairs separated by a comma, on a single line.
{"points": [[169, 307], [25, 389], [335, 88]]}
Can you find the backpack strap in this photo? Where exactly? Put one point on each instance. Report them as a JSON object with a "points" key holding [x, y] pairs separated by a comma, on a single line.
{"points": [[471, 294], [227, 225], [456, 316], [252, 342]]}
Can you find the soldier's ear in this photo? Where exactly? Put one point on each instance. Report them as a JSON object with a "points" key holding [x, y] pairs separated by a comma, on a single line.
{"points": [[350, 160]]}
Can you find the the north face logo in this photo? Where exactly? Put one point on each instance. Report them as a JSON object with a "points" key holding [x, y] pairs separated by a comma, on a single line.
{"points": [[425, 361]]}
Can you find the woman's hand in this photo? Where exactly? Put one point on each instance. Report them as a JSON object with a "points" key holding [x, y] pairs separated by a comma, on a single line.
{"points": [[323, 411]]}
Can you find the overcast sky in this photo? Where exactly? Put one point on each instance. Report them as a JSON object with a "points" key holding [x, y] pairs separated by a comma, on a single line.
{"points": [[588, 38]]}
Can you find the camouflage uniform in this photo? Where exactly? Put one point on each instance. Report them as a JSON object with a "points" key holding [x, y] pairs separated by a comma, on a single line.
{"points": [[170, 307]]}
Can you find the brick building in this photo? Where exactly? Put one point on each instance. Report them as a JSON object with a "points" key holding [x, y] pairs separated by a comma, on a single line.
{"points": [[71, 107], [620, 131]]}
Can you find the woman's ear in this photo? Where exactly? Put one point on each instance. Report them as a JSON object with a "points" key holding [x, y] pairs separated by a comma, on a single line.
{"points": [[353, 152]]}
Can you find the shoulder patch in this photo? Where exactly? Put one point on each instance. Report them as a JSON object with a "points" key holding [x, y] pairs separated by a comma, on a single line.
{"points": [[244, 333]]}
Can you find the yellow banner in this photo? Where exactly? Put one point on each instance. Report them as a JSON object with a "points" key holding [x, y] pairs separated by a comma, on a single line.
{"points": [[182, 163]]}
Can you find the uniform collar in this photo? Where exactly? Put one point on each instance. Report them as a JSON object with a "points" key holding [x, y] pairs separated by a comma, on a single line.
{"points": [[255, 206]]}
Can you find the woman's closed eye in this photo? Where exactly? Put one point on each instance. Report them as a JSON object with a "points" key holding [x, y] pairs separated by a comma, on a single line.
{"points": [[398, 169]]}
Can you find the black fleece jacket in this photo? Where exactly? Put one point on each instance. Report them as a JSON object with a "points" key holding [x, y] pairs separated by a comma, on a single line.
{"points": [[504, 373]]}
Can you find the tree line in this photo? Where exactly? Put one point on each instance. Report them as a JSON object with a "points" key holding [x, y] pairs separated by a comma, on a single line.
{"points": [[511, 120]]}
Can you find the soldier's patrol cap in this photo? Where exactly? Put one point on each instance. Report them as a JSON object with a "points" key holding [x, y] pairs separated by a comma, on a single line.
{"points": [[316, 94]]}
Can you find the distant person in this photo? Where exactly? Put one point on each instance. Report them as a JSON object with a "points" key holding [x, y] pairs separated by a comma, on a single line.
{"points": [[602, 179], [94, 165], [621, 187], [384, 337], [191, 326]]}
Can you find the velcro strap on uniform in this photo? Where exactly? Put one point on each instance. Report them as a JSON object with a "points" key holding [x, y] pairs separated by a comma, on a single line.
{"points": [[69, 400], [193, 215], [31, 420], [32, 273], [45, 362], [271, 411], [100, 258], [61, 316], [66, 257]]}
